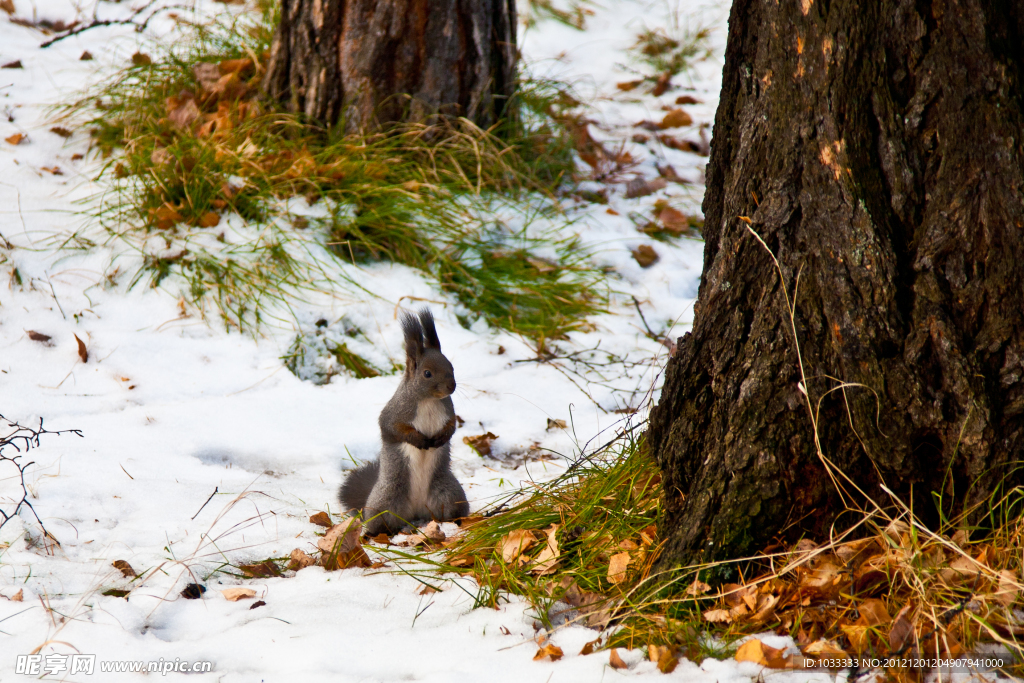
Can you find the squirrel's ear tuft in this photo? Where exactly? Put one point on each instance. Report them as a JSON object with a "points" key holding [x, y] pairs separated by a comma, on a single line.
{"points": [[413, 341], [429, 332]]}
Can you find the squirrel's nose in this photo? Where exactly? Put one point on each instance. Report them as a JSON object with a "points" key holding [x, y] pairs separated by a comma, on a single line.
{"points": [[451, 386]]}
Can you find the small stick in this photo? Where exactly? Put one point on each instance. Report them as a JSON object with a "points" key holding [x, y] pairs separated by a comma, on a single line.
{"points": [[215, 488]]}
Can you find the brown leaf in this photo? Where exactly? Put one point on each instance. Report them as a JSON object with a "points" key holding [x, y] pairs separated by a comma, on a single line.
{"points": [[687, 99], [617, 567], [86, 56], [38, 336], [165, 216], [83, 352], [1008, 589], [556, 424], [676, 119], [239, 593], [751, 651], [412, 540], [626, 86], [141, 59], [260, 570], [514, 544], [382, 539], [209, 219], [321, 519], [258, 603], [61, 131], [873, 613], [902, 631], [236, 66], [300, 560], [663, 84], [15, 139], [426, 589], [553, 652], [824, 649], [858, 637], [19, 596], [481, 443], [674, 220], [433, 532], [662, 656], [698, 587], [16, 64], [645, 255], [342, 537], [615, 660], [7, 6], [590, 647], [125, 568], [547, 560], [55, 170], [639, 187], [182, 111]]}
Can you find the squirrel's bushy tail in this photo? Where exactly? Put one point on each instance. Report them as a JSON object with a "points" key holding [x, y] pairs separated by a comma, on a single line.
{"points": [[357, 486]]}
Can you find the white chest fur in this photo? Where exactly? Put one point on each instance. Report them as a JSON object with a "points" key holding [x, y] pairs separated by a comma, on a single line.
{"points": [[430, 419]]}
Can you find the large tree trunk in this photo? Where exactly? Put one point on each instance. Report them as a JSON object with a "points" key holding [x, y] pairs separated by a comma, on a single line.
{"points": [[876, 148], [370, 63]]}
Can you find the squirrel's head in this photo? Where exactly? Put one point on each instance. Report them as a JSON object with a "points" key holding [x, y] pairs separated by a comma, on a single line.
{"points": [[426, 368]]}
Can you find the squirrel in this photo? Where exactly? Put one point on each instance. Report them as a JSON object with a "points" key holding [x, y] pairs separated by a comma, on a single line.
{"points": [[412, 479]]}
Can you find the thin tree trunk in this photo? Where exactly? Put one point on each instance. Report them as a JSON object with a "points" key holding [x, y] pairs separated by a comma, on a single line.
{"points": [[369, 63], [877, 150]]}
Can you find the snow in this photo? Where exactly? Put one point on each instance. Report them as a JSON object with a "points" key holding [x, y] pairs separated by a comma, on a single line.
{"points": [[173, 409]]}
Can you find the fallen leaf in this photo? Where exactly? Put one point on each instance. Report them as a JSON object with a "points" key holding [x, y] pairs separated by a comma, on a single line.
{"points": [[481, 443], [663, 84], [16, 64], [182, 110], [674, 220], [549, 651], [858, 637], [55, 170], [645, 255], [261, 570], [141, 59], [236, 594], [697, 588], [615, 660], [382, 538], [165, 216], [412, 540], [83, 352], [61, 131], [687, 99], [820, 649], [433, 532], [77, 157], [321, 519], [1008, 589], [300, 560], [556, 424], [125, 568], [638, 187], [590, 647], [15, 139], [426, 589], [236, 66], [341, 547], [209, 220], [512, 545], [38, 336], [258, 603], [676, 119], [751, 651], [19, 596], [547, 560], [617, 567], [117, 593], [663, 656], [873, 613], [902, 631], [626, 86], [161, 156], [7, 6], [86, 56]]}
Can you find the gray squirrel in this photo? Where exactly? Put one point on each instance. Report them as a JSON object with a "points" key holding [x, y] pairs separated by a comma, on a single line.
{"points": [[412, 478]]}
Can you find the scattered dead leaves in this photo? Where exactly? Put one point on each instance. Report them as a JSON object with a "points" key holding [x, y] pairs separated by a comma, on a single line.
{"points": [[341, 548], [663, 656], [512, 546]]}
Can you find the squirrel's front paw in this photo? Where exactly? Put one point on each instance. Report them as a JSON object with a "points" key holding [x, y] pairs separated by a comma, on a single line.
{"points": [[437, 440]]}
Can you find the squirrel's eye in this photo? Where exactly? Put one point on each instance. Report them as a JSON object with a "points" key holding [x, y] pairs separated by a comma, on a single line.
{"points": [[427, 374]]}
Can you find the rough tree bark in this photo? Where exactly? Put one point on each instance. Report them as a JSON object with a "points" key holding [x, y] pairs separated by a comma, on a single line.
{"points": [[375, 62], [877, 149]]}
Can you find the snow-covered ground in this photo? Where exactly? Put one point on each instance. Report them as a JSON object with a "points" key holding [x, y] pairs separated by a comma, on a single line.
{"points": [[172, 409]]}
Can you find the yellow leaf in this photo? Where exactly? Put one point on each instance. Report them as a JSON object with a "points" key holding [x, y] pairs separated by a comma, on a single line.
{"points": [[547, 560], [718, 615], [15, 139], [549, 651], [751, 651]]}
